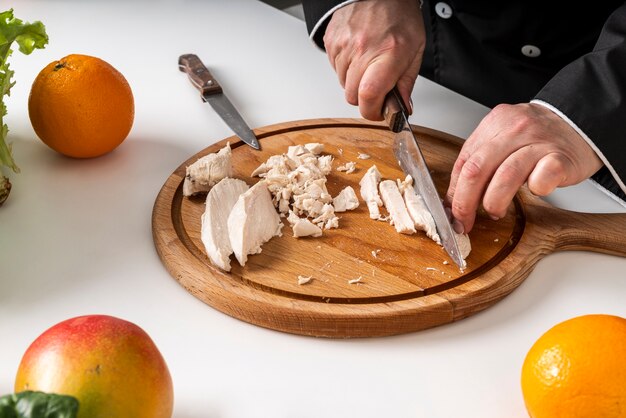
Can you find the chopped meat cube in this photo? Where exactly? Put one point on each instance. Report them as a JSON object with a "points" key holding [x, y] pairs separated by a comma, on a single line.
{"points": [[303, 227], [346, 200]]}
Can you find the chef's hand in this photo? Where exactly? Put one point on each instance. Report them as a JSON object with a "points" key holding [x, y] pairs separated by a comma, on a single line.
{"points": [[373, 45], [513, 145]]}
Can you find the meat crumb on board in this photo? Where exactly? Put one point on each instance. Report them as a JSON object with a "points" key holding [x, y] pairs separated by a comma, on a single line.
{"points": [[349, 167], [358, 280], [302, 280]]}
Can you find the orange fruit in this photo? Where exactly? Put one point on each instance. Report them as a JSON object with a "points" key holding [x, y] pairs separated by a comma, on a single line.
{"points": [[81, 106], [577, 369]]}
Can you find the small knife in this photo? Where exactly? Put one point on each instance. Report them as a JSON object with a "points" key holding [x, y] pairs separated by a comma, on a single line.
{"points": [[212, 93], [411, 160]]}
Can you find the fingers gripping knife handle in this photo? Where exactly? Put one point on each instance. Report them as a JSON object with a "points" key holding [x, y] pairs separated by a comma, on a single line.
{"points": [[393, 108], [199, 75]]}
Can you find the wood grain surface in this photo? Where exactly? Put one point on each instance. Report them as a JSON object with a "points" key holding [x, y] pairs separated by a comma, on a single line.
{"points": [[408, 283]]}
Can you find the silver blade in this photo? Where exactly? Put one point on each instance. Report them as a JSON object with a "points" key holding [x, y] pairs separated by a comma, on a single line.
{"points": [[233, 119], [411, 160]]}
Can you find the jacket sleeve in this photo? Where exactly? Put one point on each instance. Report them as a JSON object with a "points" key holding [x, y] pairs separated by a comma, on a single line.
{"points": [[317, 13], [590, 94]]}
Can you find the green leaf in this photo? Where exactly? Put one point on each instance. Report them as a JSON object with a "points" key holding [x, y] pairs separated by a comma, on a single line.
{"points": [[29, 36], [31, 404]]}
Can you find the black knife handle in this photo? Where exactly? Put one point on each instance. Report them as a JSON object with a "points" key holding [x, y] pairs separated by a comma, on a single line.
{"points": [[393, 108], [199, 75]]}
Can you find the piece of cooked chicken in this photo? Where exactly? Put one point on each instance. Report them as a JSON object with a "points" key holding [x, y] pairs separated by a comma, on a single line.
{"points": [[303, 227], [314, 147], [394, 203], [369, 191], [327, 218], [422, 218], [464, 244], [297, 182], [207, 171], [214, 233], [348, 167], [252, 222], [346, 200]]}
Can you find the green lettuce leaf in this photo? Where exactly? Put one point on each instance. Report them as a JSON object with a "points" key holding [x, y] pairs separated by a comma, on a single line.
{"points": [[30, 404], [29, 36]]}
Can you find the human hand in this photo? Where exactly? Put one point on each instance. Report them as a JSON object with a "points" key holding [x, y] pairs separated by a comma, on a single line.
{"points": [[513, 145], [374, 45]]}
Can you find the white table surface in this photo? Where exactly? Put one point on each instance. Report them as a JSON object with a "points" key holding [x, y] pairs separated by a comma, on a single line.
{"points": [[75, 235]]}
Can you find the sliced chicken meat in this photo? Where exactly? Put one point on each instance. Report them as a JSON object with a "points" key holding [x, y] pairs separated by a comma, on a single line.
{"points": [[208, 171], [394, 203], [369, 191], [422, 218], [214, 234], [252, 222], [465, 247]]}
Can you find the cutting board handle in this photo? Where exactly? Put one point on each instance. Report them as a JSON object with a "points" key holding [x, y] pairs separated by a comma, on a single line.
{"points": [[599, 232]]}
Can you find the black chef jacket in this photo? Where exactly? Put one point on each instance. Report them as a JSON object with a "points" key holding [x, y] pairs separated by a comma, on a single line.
{"points": [[570, 58]]}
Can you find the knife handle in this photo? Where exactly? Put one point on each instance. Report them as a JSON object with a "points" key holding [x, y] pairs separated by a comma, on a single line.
{"points": [[199, 75], [393, 108]]}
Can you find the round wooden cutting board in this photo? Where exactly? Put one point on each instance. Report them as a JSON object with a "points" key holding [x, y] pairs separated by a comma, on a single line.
{"points": [[405, 282]]}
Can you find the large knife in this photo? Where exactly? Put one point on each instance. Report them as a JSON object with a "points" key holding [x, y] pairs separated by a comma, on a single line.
{"points": [[212, 93], [407, 151]]}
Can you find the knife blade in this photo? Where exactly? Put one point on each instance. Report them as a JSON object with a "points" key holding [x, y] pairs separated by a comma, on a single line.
{"points": [[212, 93], [407, 151]]}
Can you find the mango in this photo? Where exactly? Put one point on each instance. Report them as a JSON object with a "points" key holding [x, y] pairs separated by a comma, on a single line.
{"points": [[110, 365]]}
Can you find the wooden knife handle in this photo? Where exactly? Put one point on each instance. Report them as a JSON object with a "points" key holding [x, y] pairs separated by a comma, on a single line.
{"points": [[199, 75], [393, 108]]}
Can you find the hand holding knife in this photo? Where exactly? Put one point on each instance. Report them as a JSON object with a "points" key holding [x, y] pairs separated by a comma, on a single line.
{"points": [[211, 92]]}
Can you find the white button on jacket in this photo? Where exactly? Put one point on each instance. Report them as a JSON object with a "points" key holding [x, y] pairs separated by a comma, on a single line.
{"points": [[443, 10], [531, 51]]}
